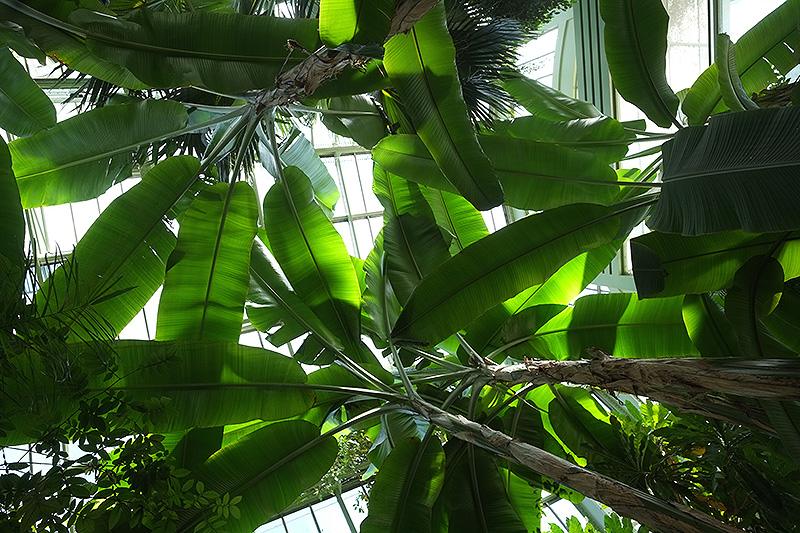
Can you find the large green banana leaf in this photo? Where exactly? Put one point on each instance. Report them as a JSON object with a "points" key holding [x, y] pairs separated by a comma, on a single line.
{"points": [[177, 384], [782, 322], [761, 53], [561, 175], [81, 157], [756, 292], [273, 303], [356, 116], [394, 429], [207, 276], [503, 264], [545, 102], [12, 239], [636, 48], [228, 53], [63, 46], [422, 68], [121, 260], [457, 217], [667, 264], [560, 288], [313, 257], [603, 137], [739, 172], [406, 487], [299, 153], [354, 21], [413, 242], [474, 498], [708, 327], [268, 469], [26, 109], [619, 324], [730, 84]]}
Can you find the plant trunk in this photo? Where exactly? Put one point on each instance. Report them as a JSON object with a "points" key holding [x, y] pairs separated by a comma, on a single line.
{"points": [[301, 81], [627, 501], [689, 384]]}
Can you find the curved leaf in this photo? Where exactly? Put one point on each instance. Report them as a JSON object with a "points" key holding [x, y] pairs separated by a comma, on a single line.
{"points": [[729, 82], [755, 294], [501, 265], [354, 21], [457, 217], [275, 304], [545, 102], [560, 288], [474, 497], [636, 48], [81, 157], [669, 265], [707, 326], [315, 261], [561, 175], [63, 46], [406, 488], [176, 384], [422, 68], [761, 53], [366, 129], [299, 153], [738, 172], [619, 324], [224, 52], [26, 109], [265, 470], [124, 253], [603, 137], [206, 282], [413, 242]]}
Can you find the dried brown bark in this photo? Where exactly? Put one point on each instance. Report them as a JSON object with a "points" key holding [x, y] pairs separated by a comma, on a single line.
{"points": [[660, 379], [713, 387], [627, 501], [302, 80]]}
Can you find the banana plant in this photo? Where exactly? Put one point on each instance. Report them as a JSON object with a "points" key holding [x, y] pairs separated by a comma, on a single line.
{"points": [[481, 373]]}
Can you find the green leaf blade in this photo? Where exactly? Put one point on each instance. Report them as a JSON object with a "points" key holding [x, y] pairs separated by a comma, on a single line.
{"points": [[26, 109], [81, 157], [224, 52], [636, 47], [422, 68], [206, 284], [736, 173]]}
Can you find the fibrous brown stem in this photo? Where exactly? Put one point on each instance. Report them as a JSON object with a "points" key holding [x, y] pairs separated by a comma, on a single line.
{"points": [[627, 501], [301, 81]]}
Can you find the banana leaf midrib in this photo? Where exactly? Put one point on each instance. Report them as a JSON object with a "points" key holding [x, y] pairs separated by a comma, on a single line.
{"points": [[651, 86], [540, 176], [290, 200], [456, 290], [680, 176], [217, 243], [406, 240], [601, 326], [132, 146], [724, 251], [199, 54], [432, 96]]}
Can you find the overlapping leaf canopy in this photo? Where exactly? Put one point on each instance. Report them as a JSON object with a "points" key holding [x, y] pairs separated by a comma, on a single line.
{"points": [[422, 324]]}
